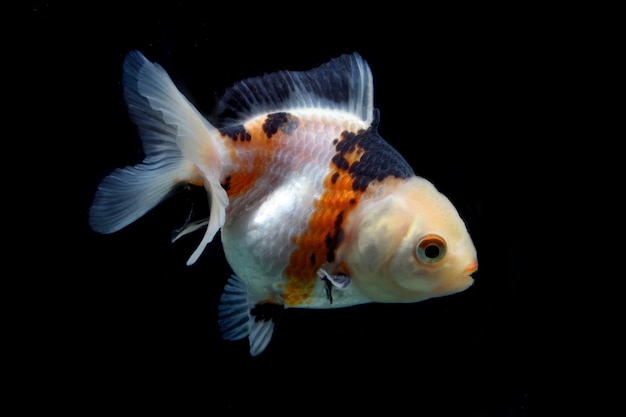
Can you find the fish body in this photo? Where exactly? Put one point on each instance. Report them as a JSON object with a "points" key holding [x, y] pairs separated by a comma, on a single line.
{"points": [[315, 208]]}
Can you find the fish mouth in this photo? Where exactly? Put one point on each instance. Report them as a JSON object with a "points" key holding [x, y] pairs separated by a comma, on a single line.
{"points": [[465, 280], [471, 268]]}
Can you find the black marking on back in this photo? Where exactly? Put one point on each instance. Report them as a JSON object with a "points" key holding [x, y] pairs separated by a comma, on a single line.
{"points": [[236, 132], [275, 121], [267, 312], [378, 159], [341, 162]]}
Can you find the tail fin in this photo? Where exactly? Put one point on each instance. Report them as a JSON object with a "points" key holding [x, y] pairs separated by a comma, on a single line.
{"points": [[179, 144]]}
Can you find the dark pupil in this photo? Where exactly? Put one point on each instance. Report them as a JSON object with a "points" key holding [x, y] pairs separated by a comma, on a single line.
{"points": [[432, 251]]}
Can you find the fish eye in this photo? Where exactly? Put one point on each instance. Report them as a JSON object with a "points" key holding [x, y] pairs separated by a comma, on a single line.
{"points": [[430, 249]]}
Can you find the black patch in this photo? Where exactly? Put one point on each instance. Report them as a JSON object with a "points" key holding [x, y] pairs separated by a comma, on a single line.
{"points": [[275, 121], [378, 159], [339, 220], [328, 240], [333, 240], [312, 259], [340, 161], [267, 312], [334, 178], [236, 132]]}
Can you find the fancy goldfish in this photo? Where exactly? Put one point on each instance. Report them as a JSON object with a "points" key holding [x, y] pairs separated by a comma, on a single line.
{"points": [[315, 208]]}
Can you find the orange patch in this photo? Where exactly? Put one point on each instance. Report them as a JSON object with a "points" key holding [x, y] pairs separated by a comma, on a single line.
{"points": [[250, 158], [316, 246], [240, 182]]}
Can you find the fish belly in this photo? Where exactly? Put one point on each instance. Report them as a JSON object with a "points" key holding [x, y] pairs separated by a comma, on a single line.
{"points": [[258, 236]]}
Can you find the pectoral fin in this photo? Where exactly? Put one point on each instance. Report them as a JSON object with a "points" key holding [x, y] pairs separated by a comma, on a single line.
{"points": [[340, 281]]}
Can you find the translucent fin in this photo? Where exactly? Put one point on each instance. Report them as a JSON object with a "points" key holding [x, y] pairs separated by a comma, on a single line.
{"points": [[234, 310], [340, 281], [260, 336], [189, 228], [179, 144], [217, 216], [128, 193], [238, 317], [344, 83]]}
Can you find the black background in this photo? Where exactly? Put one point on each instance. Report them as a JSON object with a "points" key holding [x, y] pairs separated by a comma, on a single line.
{"points": [[120, 323]]}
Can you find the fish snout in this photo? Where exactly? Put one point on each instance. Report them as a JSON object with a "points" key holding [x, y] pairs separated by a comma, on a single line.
{"points": [[471, 268]]}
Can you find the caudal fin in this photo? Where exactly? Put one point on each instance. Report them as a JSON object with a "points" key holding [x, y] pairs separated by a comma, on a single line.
{"points": [[179, 145]]}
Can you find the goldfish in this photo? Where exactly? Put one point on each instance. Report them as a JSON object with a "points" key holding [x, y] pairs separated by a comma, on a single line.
{"points": [[314, 208]]}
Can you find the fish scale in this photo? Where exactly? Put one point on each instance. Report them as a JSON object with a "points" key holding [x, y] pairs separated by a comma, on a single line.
{"points": [[307, 147]]}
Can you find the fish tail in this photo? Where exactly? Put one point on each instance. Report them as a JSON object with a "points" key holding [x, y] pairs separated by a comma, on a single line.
{"points": [[180, 146]]}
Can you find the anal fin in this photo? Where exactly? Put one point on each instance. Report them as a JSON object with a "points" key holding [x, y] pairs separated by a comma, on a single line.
{"points": [[240, 317]]}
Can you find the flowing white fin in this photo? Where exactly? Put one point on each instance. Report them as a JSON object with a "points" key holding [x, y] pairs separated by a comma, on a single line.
{"points": [[189, 228], [179, 144], [239, 317]]}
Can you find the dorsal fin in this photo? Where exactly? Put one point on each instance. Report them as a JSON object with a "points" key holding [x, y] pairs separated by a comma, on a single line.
{"points": [[344, 83]]}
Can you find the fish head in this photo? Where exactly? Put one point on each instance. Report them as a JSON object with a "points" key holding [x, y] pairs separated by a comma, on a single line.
{"points": [[408, 243]]}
